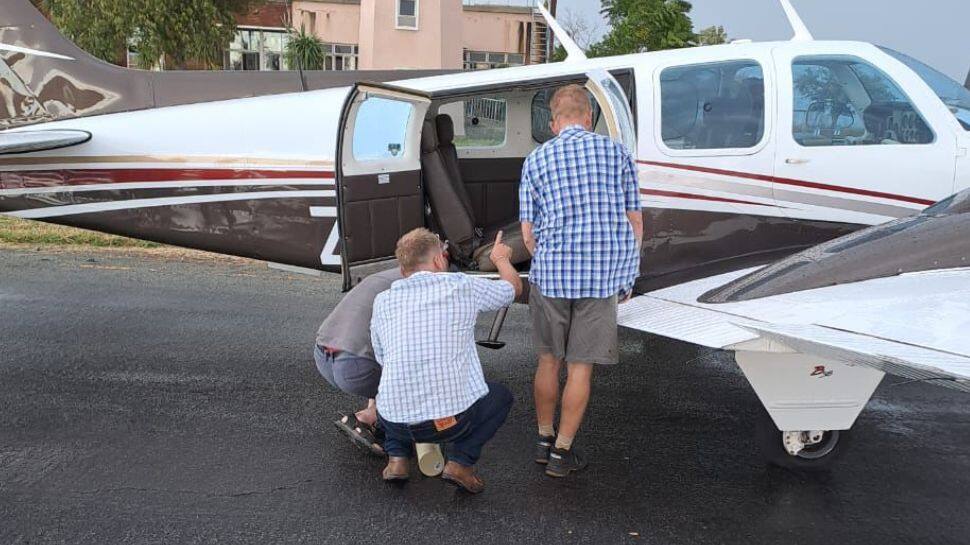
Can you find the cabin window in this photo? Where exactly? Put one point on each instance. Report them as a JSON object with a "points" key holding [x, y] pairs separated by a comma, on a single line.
{"points": [[480, 122], [845, 101], [380, 129], [407, 14], [712, 106], [542, 115]]}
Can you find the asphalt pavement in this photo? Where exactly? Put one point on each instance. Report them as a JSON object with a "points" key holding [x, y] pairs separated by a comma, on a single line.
{"points": [[152, 401]]}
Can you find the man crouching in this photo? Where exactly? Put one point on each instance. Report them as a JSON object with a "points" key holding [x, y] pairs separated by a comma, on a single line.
{"points": [[432, 389]]}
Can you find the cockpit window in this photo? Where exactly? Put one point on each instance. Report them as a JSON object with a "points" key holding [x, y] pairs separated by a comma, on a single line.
{"points": [[955, 96], [844, 101]]}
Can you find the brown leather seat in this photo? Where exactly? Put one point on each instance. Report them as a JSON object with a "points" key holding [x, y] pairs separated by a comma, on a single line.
{"points": [[452, 192]]}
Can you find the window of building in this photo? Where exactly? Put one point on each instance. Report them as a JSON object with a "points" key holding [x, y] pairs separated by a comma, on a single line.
{"points": [[380, 129], [257, 49], [484, 60], [845, 101], [480, 122], [407, 14], [542, 115], [712, 106], [340, 57]]}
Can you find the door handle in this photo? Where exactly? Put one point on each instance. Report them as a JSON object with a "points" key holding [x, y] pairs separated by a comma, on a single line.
{"points": [[795, 161]]}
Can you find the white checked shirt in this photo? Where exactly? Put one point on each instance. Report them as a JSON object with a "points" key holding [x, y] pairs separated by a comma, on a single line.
{"points": [[423, 331], [576, 190]]}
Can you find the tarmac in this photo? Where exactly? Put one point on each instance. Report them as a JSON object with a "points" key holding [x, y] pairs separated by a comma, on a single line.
{"points": [[152, 401]]}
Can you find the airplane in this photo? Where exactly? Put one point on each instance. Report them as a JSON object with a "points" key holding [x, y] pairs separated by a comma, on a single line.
{"points": [[748, 153]]}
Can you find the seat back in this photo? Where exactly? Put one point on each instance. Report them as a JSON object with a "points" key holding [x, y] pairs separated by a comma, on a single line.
{"points": [[445, 128], [456, 223]]}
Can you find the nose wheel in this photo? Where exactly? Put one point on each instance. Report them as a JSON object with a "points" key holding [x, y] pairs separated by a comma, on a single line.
{"points": [[810, 450]]}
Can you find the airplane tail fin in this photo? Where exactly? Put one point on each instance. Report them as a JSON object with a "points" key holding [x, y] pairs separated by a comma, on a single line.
{"points": [[44, 76]]}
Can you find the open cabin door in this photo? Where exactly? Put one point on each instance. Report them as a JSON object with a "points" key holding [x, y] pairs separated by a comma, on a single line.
{"points": [[615, 107], [379, 192]]}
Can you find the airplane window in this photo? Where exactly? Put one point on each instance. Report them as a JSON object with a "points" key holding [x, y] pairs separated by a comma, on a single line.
{"points": [[380, 129], [712, 106], [844, 101], [542, 115], [955, 96], [480, 122]]}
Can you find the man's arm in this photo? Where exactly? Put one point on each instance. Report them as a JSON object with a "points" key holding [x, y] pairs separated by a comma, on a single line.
{"points": [[501, 256], [636, 221], [528, 237]]}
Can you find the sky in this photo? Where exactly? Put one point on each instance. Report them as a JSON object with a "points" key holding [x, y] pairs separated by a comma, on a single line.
{"points": [[933, 31]]}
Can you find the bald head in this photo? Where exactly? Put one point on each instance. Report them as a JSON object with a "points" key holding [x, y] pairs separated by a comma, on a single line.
{"points": [[570, 106]]}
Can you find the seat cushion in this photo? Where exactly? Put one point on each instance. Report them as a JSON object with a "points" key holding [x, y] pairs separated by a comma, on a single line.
{"points": [[512, 236]]}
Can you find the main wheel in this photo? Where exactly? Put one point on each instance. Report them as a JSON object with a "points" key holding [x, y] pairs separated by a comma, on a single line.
{"points": [[817, 456]]}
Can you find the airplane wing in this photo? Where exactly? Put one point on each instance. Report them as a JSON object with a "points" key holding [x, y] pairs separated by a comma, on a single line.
{"points": [[912, 325]]}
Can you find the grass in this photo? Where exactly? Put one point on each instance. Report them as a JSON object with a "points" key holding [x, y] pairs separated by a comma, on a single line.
{"points": [[18, 231]]}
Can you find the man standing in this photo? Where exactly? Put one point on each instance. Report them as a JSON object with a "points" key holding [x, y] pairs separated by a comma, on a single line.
{"points": [[580, 212], [345, 357], [432, 389]]}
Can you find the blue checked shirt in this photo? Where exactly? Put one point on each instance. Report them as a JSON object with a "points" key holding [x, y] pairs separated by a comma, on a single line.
{"points": [[423, 331], [576, 190]]}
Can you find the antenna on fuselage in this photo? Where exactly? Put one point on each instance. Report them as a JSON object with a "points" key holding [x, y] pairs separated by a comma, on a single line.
{"points": [[802, 34], [573, 51]]}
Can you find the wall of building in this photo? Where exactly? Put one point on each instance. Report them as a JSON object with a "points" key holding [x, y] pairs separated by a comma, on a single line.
{"points": [[335, 21], [436, 44], [488, 29], [269, 14]]}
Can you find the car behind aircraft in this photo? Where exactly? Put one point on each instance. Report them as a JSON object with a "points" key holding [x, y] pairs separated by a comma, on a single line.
{"points": [[748, 152]]}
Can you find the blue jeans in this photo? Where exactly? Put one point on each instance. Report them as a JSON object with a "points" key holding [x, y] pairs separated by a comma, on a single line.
{"points": [[475, 427], [349, 373]]}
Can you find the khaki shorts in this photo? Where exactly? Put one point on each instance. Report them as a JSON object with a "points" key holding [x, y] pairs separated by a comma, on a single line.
{"points": [[574, 330]]}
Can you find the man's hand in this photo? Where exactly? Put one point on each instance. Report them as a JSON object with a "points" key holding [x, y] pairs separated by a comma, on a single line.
{"points": [[500, 251], [501, 256]]}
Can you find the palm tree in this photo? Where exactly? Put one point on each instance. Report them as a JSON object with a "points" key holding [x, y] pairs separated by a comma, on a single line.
{"points": [[304, 51]]}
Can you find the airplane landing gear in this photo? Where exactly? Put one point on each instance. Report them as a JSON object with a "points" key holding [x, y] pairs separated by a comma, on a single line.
{"points": [[813, 450]]}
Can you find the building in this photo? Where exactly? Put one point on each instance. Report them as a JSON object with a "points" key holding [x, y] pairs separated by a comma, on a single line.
{"points": [[395, 34]]}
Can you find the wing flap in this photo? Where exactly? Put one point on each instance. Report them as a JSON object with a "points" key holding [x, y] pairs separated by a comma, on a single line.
{"points": [[900, 359], [684, 322]]}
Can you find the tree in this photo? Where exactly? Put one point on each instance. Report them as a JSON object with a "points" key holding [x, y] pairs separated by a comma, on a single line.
{"points": [[645, 25], [580, 29], [304, 51], [178, 30], [712, 35]]}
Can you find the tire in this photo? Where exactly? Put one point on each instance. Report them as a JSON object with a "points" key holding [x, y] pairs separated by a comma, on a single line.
{"points": [[813, 458]]}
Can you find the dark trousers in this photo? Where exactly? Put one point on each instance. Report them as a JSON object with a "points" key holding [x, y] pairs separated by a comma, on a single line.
{"points": [[464, 441]]}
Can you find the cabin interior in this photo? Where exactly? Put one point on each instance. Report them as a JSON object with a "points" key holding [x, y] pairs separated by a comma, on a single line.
{"points": [[465, 179]]}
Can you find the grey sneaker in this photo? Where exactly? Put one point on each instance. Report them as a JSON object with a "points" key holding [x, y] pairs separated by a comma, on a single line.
{"points": [[543, 446], [563, 462]]}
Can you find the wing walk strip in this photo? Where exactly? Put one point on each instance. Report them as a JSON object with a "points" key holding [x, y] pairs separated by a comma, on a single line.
{"points": [[129, 204]]}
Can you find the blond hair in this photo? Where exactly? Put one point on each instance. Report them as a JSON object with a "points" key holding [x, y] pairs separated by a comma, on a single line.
{"points": [[570, 102], [415, 248]]}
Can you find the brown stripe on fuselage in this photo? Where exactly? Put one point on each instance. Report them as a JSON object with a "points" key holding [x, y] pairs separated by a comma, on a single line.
{"points": [[181, 159], [71, 177], [790, 181]]}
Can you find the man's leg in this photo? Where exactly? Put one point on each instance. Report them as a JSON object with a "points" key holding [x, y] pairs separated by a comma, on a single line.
{"points": [[486, 416], [359, 376], [546, 391], [398, 444], [575, 398]]}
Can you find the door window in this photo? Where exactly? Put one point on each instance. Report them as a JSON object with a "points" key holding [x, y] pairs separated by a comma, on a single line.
{"points": [[380, 129], [479, 122], [712, 106], [845, 101]]}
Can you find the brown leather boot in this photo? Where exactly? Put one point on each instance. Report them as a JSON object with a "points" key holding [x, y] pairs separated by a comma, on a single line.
{"points": [[397, 469], [463, 477]]}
